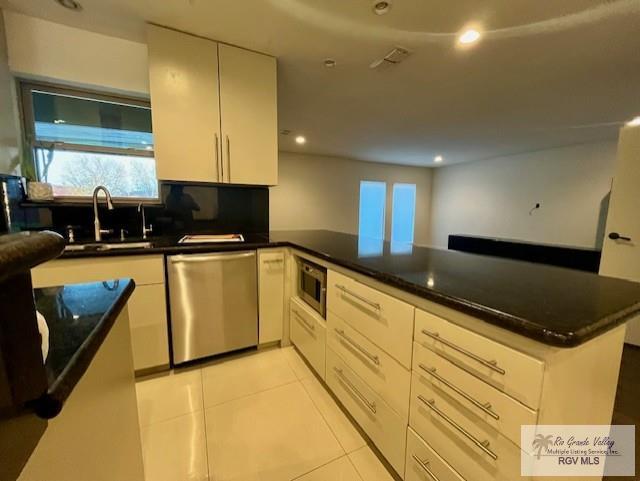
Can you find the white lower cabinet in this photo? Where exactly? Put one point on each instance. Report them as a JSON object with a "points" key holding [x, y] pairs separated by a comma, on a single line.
{"points": [[147, 305], [148, 324], [424, 464], [381, 423], [386, 376], [270, 295], [477, 451], [490, 405], [309, 335]]}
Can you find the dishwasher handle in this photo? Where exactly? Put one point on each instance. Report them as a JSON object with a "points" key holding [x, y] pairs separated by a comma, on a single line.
{"points": [[196, 258]]}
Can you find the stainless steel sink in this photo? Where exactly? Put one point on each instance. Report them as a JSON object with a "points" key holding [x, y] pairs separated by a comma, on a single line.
{"points": [[105, 246]]}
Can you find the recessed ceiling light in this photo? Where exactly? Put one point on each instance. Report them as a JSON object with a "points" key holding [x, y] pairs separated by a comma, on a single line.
{"points": [[70, 4], [300, 140], [381, 7], [469, 36], [634, 122], [329, 63], [438, 159]]}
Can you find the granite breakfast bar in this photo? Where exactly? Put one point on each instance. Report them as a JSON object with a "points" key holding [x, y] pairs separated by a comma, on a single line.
{"points": [[439, 356]]}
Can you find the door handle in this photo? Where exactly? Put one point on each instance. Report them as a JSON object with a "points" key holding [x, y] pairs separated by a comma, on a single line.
{"points": [[616, 236], [228, 158], [194, 258]]}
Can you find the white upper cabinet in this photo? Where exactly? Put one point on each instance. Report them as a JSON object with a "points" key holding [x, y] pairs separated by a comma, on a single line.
{"points": [[214, 110], [248, 106], [183, 78]]}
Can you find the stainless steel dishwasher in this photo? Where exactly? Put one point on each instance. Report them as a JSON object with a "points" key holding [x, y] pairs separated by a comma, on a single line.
{"points": [[213, 303]]}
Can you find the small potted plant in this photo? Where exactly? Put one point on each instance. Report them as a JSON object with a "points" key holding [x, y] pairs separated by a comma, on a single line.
{"points": [[36, 190]]}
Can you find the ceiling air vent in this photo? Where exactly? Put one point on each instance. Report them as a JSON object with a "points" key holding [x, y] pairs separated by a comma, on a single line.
{"points": [[395, 56]]}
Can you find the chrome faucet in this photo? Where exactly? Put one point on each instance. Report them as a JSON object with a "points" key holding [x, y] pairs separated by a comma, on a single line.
{"points": [[96, 219], [145, 230]]}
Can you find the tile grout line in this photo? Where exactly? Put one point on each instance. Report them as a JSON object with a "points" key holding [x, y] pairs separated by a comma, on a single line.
{"points": [[321, 466], [354, 464], [172, 418], [204, 420], [324, 418], [251, 394]]}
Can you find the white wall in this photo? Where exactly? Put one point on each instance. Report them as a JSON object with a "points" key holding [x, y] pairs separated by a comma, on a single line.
{"points": [[317, 192], [493, 197], [47, 50]]}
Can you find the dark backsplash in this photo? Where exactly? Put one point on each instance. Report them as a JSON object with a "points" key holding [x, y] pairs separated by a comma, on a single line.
{"points": [[184, 208]]}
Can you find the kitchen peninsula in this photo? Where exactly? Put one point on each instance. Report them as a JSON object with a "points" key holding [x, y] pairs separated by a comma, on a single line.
{"points": [[438, 355], [67, 382]]}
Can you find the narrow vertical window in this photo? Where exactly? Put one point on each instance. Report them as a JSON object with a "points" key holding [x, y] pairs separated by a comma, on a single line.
{"points": [[403, 214], [371, 217]]}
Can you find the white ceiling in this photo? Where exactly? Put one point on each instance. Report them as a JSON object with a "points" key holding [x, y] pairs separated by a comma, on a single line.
{"points": [[547, 73]]}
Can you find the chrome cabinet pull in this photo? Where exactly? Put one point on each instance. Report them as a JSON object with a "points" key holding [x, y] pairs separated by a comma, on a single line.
{"points": [[375, 305], [273, 261], [218, 166], [372, 357], [370, 405], [425, 467], [490, 364], [484, 407], [228, 158], [483, 445], [303, 321]]}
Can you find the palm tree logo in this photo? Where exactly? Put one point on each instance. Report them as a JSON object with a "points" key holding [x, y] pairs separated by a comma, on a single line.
{"points": [[541, 442]]}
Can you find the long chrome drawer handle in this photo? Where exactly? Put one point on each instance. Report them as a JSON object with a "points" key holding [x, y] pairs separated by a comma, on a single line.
{"points": [[425, 467], [490, 364], [375, 305], [303, 321], [273, 261], [354, 390], [484, 407], [372, 357], [483, 445]]}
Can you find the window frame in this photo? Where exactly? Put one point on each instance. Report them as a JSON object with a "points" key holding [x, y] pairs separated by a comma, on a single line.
{"points": [[26, 86], [394, 218]]}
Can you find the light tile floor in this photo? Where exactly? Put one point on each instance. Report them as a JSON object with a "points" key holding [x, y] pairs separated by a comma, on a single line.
{"points": [[257, 417]]}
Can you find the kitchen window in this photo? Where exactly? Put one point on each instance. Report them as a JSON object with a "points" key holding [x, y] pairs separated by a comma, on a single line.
{"points": [[81, 139], [404, 213], [373, 198]]}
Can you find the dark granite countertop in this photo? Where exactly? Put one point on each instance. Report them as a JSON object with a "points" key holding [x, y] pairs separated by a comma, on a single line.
{"points": [[554, 305], [22, 251], [79, 317]]}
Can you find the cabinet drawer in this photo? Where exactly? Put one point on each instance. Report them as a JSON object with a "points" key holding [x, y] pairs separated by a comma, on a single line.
{"points": [[513, 372], [309, 335], [385, 428], [482, 454], [424, 464], [492, 406], [386, 321], [386, 376], [142, 269]]}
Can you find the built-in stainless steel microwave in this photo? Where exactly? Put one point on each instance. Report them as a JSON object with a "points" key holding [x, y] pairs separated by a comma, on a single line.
{"points": [[312, 285]]}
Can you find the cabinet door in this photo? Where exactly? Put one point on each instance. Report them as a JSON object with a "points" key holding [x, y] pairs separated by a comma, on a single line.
{"points": [[183, 78], [271, 295], [148, 324], [620, 257], [248, 107]]}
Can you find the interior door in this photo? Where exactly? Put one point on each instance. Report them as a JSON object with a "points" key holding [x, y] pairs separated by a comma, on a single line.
{"points": [[248, 108], [621, 249], [183, 78]]}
